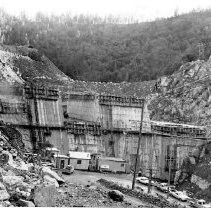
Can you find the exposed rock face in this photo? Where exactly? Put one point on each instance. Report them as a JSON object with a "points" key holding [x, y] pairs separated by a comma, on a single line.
{"points": [[190, 164], [50, 180], [3, 193], [20, 64], [20, 182], [12, 181], [197, 173], [185, 96], [201, 183]]}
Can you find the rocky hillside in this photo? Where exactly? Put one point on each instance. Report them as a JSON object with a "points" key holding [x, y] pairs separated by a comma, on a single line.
{"points": [[184, 96], [20, 64], [194, 175]]}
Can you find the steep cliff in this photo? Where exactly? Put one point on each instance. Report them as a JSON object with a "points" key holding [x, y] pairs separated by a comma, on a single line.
{"points": [[195, 173], [185, 96]]}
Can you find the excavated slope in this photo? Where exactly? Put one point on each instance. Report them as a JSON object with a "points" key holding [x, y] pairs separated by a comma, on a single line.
{"points": [[185, 96], [20, 64]]}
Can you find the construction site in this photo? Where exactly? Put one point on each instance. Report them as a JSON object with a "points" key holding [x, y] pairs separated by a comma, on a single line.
{"points": [[94, 127]]}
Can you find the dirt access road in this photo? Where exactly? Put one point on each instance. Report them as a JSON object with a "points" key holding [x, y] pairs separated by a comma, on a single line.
{"points": [[86, 177]]}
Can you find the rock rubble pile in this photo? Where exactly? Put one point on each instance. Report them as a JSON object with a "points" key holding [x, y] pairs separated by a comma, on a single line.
{"points": [[154, 201], [72, 195], [25, 184]]}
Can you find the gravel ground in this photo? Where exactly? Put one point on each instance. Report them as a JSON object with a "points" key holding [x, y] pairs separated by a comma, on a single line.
{"points": [[125, 180], [72, 195], [84, 177], [82, 189]]}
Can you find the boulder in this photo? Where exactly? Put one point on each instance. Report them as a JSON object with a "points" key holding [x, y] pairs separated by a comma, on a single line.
{"points": [[177, 177], [53, 174], [5, 204], [8, 172], [25, 203], [50, 180], [93, 187], [183, 176], [3, 159], [22, 193], [24, 186], [18, 164], [12, 181], [192, 160], [196, 152], [201, 183], [116, 195], [45, 196], [3, 193]]}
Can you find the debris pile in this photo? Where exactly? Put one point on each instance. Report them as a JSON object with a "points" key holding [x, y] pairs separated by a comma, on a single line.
{"points": [[72, 195], [25, 184], [154, 201], [134, 89]]}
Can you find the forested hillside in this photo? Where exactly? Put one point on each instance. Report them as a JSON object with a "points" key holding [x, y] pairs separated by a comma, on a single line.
{"points": [[103, 49]]}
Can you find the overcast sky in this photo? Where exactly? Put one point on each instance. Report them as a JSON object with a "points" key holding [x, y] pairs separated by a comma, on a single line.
{"points": [[139, 9]]}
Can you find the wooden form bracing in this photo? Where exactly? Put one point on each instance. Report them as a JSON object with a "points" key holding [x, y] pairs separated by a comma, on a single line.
{"points": [[12, 108], [179, 131], [83, 128], [85, 97], [13, 135], [120, 101], [41, 93]]}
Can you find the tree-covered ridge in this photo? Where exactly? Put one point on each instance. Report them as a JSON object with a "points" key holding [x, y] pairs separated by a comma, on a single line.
{"points": [[103, 49]]}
